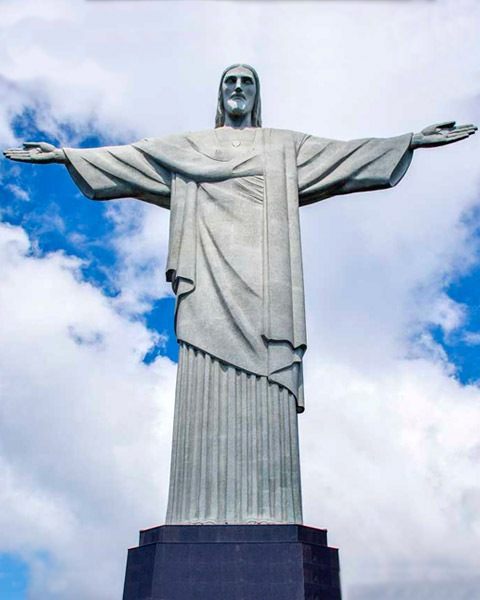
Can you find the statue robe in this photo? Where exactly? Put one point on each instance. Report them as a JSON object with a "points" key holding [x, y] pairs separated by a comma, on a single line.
{"points": [[236, 268]]}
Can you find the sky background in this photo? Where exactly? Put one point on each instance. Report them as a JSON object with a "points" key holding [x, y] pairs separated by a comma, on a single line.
{"points": [[390, 441]]}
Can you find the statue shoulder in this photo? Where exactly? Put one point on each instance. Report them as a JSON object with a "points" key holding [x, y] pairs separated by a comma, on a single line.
{"points": [[180, 139], [173, 140], [285, 136], [287, 133]]}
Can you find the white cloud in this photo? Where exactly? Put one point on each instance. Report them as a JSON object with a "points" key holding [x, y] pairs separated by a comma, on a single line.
{"points": [[389, 467], [18, 192], [84, 424], [445, 590], [140, 242], [472, 339], [390, 449]]}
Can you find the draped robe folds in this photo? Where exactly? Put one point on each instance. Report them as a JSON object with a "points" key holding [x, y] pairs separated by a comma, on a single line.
{"points": [[234, 252]]}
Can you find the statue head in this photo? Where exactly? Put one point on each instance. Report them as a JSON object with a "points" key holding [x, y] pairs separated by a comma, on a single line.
{"points": [[239, 95]]}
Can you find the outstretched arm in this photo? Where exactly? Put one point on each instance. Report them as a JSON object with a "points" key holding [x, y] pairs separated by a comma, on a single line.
{"points": [[38, 153], [441, 134], [104, 173], [329, 168]]}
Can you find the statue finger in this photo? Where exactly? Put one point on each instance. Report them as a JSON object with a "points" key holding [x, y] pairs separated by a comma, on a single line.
{"points": [[19, 158], [13, 153], [31, 144], [466, 126], [456, 132], [457, 138], [472, 128], [445, 125], [463, 131]]}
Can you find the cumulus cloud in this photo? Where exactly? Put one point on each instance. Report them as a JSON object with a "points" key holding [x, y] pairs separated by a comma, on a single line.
{"points": [[389, 442], [408, 434], [84, 425], [140, 242]]}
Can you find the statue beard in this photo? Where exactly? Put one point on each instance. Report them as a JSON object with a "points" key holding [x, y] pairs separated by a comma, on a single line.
{"points": [[236, 106]]}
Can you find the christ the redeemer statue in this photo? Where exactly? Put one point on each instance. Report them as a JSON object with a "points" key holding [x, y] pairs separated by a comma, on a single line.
{"points": [[235, 265]]}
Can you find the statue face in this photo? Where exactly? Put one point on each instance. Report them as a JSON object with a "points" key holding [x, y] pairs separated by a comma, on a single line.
{"points": [[239, 91]]}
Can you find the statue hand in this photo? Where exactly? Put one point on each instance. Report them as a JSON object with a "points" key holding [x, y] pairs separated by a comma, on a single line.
{"points": [[36, 152], [441, 134]]}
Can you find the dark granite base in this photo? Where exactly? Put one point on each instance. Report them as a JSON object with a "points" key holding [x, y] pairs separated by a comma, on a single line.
{"points": [[232, 562]]}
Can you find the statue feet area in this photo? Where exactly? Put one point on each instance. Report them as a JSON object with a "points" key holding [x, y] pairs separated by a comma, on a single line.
{"points": [[232, 562]]}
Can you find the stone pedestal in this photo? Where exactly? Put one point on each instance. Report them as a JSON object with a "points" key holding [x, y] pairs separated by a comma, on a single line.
{"points": [[232, 562]]}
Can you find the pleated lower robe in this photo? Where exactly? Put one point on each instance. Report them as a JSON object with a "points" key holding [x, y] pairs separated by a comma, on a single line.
{"points": [[235, 455]]}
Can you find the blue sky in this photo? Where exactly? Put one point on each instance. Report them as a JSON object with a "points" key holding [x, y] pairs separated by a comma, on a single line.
{"points": [[390, 435], [57, 217], [13, 577], [460, 351]]}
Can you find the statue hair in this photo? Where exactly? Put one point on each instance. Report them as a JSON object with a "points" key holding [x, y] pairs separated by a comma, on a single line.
{"points": [[257, 106]]}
